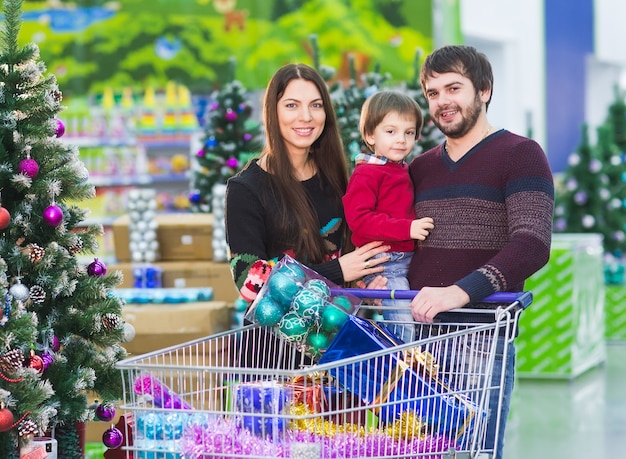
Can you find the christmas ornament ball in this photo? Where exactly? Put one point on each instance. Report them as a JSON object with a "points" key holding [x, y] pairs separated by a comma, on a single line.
{"points": [[105, 412], [47, 360], [129, 332], [343, 302], [60, 129], [267, 312], [317, 341], [112, 438], [5, 218], [6, 419], [52, 215], [29, 167], [318, 286], [292, 270], [56, 344], [292, 328], [307, 304], [36, 363], [282, 288], [96, 268], [19, 291], [333, 318]]}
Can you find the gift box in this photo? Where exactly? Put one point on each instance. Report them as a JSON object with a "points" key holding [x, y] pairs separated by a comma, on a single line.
{"points": [[300, 306], [397, 382], [259, 407]]}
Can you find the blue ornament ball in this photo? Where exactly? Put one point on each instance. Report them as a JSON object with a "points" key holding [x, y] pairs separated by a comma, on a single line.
{"points": [[318, 286], [267, 312], [333, 318], [195, 197], [307, 304], [292, 328], [282, 288]]}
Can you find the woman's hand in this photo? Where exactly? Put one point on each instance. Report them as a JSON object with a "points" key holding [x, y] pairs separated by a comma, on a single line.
{"points": [[358, 263]]}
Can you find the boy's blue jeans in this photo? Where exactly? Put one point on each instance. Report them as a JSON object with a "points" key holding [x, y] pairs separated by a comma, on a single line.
{"points": [[397, 312]]}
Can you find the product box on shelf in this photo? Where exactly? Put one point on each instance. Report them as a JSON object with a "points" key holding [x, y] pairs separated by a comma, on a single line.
{"points": [[190, 274], [181, 236], [159, 326]]}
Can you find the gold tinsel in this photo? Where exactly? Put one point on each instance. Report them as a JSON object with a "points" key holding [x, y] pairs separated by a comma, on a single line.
{"points": [[406, 427]]}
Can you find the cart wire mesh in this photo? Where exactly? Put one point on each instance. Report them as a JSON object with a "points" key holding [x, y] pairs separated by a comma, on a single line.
{"points": [[247, 393]]}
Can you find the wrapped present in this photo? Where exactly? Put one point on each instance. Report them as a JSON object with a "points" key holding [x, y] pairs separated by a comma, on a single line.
{"points": [[397, 382], [260, 407], [300, 307]]}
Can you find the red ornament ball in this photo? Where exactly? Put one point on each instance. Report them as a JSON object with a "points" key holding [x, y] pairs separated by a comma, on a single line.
{"points": [[53, 215], [5, 218], [105, 412], [112, 438], [96, 268], [28, 167], [36, 362], [60, 130], [6, 420]]}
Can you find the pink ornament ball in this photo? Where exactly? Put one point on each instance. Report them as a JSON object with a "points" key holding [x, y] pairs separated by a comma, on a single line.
{"points": [[200, 153], [96, 268], [53, 215], [232, 163], [56, 344], [29, 167], [112, 438], [60, 130], [231, 116], [47, 359]]}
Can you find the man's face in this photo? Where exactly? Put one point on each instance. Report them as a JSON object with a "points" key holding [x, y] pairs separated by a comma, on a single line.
{"points": [[454, 103]]}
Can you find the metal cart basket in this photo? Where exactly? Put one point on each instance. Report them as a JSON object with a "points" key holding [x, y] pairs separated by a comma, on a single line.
{"points": [[246, 393]]}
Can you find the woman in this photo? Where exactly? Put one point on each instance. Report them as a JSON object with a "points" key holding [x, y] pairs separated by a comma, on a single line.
{"points": [[288, 201]]}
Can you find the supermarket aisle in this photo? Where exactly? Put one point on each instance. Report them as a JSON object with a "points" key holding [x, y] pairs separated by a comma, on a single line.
{"points": [[580, 419]]}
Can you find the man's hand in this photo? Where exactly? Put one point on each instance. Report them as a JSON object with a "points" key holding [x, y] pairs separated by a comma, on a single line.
{"points": [[430, 301]]}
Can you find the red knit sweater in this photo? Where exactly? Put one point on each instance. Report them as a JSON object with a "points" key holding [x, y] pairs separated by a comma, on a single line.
{"points": [[379, 205]]}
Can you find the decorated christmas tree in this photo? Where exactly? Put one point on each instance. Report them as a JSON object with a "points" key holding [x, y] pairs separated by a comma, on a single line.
{"points": [[60, 325], [617, 118], [591, 196], [231, 136], [430, 136]]}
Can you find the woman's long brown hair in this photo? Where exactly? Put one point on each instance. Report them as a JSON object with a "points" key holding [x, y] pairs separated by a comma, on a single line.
{"points": [[298, 217]]}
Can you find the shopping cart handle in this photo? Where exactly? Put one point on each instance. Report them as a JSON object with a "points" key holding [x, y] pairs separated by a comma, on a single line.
{"points": [[524, 298]]}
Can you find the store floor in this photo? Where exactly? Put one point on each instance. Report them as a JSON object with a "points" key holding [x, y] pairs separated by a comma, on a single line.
{"points": [[580, 419]]}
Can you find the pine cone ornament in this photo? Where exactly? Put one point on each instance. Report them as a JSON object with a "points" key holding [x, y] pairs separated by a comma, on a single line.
{"points": [[76, 247], [56, 95], [12, 361], [37, 294], [27, 429], [35, 252], [111, 321]]}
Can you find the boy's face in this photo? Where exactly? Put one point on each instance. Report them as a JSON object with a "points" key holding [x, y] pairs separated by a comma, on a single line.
{"points": [[395, 136]]}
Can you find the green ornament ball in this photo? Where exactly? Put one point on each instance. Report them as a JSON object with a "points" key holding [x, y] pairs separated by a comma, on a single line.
{"points": [[344, 302], [282, 288], [333, 318], [307, 304], [317, 341], [268, 312], [292, 328], [318, 286], [293, 270]]}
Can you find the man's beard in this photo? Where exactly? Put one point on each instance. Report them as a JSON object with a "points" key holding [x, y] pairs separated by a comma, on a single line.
{"points": [[458, 130]]}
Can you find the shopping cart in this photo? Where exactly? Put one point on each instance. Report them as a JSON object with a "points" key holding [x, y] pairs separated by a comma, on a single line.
{"points": [[247, 393]]}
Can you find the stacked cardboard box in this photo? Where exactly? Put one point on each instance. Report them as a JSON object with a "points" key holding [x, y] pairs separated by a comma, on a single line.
{"points": [[185, 254]]}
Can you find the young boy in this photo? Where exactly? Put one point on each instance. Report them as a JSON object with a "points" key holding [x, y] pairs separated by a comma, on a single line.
{"points": [[378, 203]]}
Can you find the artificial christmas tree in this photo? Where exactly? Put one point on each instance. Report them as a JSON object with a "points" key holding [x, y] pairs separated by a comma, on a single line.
{"points": [[231, 136], [60, 325]]}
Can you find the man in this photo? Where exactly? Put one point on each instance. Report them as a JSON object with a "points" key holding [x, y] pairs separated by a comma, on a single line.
{"points": [[491, 195]]}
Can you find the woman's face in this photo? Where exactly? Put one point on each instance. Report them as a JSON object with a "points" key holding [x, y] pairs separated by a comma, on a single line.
{"points": [[301, 115]]}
